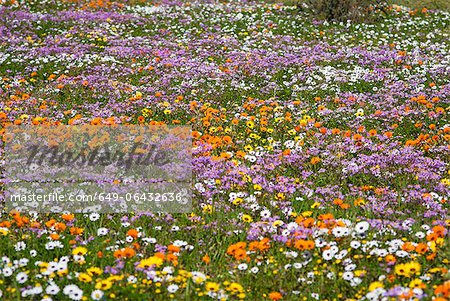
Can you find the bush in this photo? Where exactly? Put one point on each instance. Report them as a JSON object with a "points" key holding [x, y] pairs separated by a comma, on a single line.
{"points": [[342, 10]]}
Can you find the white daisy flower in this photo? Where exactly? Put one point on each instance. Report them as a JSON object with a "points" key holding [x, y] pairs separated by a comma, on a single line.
{"points": [[70, 289], [362, 227], [347, 276], [420, 235], [355, 281], [20, 246], [327, 255], [52, 289], [22, 277], [76, 295], [7, 272], [354, 244], [97, 294], [102, 231], [179, 243], [172, 288], [340, 232], [94, 216], [265, 214]]}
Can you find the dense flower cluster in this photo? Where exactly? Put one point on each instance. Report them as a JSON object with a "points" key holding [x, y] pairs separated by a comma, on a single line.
{"points": [[320, 150]]}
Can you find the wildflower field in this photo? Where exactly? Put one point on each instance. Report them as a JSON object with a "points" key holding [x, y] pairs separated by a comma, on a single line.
{"points": [[320, 150]]}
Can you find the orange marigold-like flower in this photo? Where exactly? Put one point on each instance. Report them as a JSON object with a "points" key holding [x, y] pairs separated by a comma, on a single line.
{"points": [[443, 290], [275, 296]]}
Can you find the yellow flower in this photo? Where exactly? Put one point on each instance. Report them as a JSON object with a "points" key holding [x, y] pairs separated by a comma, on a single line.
{"points": [[248, 148], [315, 205], [277, 223], [103, 285], [237, 201], [63, 272], [235, 288], [79, 251], [207, 209], [413, 267], [4, 231], [154, 260], [83, 277], [250, 124], [94, 271], [432, 245], [247, 218], [257, 187], [199, 279], [43, 266], [359, 113], [280, 196], [212, 286], [408, 269], [417, 283], [116, 278], [400, 269], [435, 270], [145, 112]]}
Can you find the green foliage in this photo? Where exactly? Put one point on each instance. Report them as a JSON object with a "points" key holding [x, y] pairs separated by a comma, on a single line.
{"points": [[342, 10]]}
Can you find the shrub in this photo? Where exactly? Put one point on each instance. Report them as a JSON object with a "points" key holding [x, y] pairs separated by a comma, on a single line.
{"points": [[342, 10]]}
